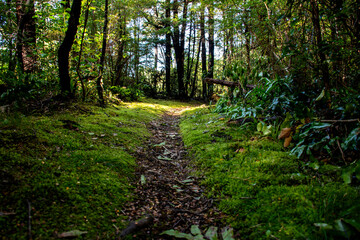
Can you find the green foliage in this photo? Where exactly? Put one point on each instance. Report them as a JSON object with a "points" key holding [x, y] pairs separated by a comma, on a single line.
{"points": [[73, 166], [278, 103], [264, 129], [127, 93], [196, 234], [312, 138], [265, 192], [28, 87]]}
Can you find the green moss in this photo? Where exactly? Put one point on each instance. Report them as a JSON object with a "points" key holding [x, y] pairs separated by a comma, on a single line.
{"points": [[263, 190], [75, 167]]}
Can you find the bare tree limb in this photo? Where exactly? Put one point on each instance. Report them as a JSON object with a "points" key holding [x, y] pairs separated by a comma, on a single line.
{"points": [[340, 121], [226, 83]]}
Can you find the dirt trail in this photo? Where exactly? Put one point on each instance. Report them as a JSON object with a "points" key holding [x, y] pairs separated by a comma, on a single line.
{"points": [[167, 189]]}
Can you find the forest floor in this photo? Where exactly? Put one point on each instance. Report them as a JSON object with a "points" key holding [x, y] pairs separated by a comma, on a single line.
{"points": [[83, 171], [168, 191]]}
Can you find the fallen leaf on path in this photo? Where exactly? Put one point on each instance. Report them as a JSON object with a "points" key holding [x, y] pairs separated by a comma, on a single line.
{"points": [[70, 234], [211, 233], [287, 141], [227, 233], [164, 158], [160, 144], [285, 132], [143, 180]]}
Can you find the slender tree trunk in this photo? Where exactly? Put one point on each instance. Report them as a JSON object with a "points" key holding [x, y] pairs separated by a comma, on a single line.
{"points": [[99, 81], [211, 48], [155, 66], [192, 94], [9, 25], [65, 48], [137, 49], [247, 42], [315, 17], [189, 58], [80, 52], [203, 52], [26, 36], [179, 46], [168, 49], [121, 60], [357, 25]]}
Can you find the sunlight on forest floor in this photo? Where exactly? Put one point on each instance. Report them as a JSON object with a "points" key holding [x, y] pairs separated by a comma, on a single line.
{"points": [[73, 166], [266, 192]]}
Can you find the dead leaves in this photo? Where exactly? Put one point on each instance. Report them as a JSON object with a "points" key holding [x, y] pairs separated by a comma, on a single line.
{"points": [[165, 189], [71, 234], [286, 133]]}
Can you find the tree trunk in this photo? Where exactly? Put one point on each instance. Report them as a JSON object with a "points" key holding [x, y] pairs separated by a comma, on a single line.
{"points": [[192, 94], [121, 61], [26, 36], [189, 54], [167, 50], [65, 48], [81, 78], [247, 42], [156, 66], [179, 46], [320, 45], [99, 81], [211, 49], [203, 52]]}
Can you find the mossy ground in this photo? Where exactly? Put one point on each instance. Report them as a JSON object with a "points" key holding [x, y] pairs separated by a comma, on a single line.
{"points": [[73, 166], [265, 192]]}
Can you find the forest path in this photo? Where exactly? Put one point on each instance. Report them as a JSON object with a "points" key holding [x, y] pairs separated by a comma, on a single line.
{"points": [[167, 189]]}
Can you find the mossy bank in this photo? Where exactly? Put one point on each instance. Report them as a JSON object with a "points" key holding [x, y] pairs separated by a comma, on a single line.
{"points": [[266, 192], [72, 169]]}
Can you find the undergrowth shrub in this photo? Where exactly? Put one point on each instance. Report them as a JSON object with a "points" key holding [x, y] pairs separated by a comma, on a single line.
{"points": [[127, 93], [265, 191], [25, 87], [276, 104]]}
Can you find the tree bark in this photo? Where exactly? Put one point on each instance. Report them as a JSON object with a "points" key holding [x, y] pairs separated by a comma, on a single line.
{"points": [[65, 48], [121, 61], [211, 49], [26, 36], [179, 46], [192, 94], [190, 54], [99, 81], [81, 78], [315, 17], [167, 49], [203, 52]]}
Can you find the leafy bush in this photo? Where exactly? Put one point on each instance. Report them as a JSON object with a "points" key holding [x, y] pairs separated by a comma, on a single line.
{"points": [[276, 102], [27, 87], [267, 193], [127, 93]]}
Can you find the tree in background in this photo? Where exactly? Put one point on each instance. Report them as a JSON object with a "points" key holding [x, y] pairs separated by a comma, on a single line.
{"points": [[99, 81], [153, 45], [26, 35], [65, 48]]}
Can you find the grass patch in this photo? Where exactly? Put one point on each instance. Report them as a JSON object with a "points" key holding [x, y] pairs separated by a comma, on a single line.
{"points": [[265, 192], [74, 167]]}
